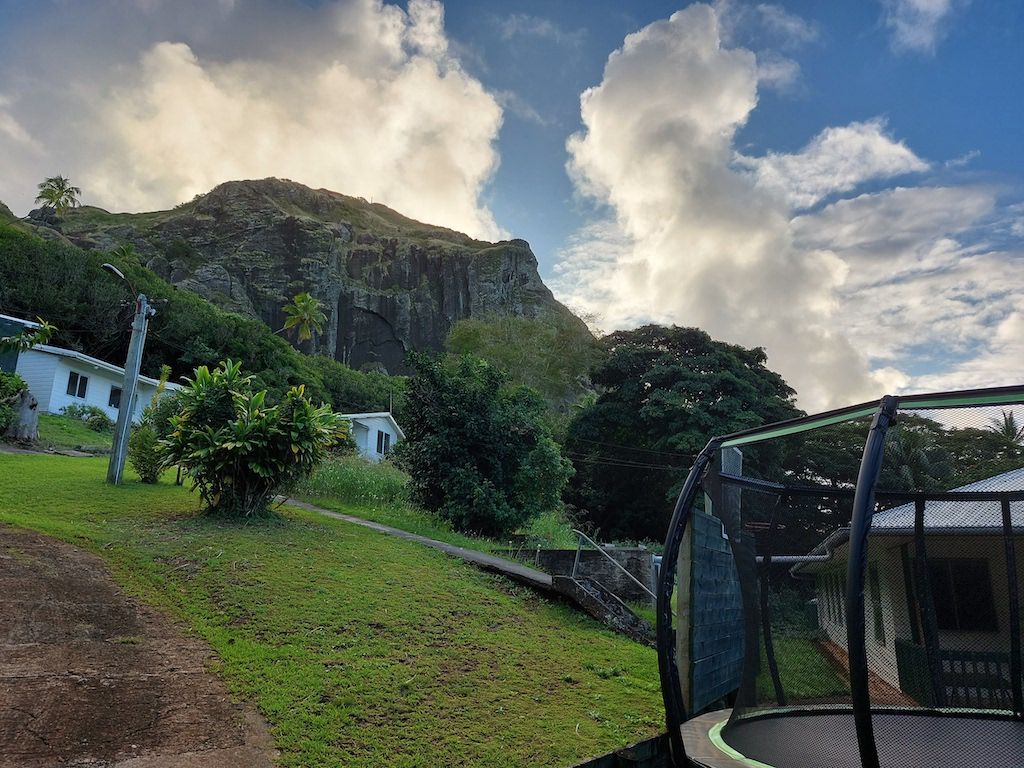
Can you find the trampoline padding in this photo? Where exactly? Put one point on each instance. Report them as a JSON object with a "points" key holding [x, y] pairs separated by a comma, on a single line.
{"points": [[904, 741]]}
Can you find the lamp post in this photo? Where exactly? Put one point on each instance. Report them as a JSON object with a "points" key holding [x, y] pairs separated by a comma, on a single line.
{"points": [[125, 411]]}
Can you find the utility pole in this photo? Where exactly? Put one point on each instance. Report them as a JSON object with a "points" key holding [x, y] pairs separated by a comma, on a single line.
{"points": [[126, 410]]}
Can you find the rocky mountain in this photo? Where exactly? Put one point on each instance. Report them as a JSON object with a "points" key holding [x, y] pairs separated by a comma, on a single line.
{"points": [[388, 284]]}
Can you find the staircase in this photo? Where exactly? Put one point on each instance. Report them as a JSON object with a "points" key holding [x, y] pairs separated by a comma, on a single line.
{"points": [[604, 606]]}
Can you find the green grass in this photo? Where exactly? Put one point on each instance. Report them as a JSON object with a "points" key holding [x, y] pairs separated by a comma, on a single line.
{"points": [[62, 432], [360, 649], [804, 669], [379, 492]]}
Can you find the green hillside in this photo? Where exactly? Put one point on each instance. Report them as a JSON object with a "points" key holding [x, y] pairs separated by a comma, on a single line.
{"points": [[360, 649]]}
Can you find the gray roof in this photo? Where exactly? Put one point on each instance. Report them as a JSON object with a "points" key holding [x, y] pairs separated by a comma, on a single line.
{"points": [[959, 514]]}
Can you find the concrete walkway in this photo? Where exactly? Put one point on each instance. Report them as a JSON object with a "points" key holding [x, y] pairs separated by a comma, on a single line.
{"points": [[510, 568]]}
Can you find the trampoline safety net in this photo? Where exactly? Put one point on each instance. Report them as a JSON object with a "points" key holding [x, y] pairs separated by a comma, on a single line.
{"points": [[844, 590]]}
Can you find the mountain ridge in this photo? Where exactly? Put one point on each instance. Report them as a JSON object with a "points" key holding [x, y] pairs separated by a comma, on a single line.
{"points": [[389, 284]]}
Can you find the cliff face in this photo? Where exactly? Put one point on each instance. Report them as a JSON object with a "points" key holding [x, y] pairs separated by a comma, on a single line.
{"points": [[388, 284]]}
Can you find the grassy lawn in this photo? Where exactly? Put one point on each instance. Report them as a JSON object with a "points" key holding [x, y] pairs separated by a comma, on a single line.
{"points": [[806, 673], [378, 492], [62, 432], [360, 649]]}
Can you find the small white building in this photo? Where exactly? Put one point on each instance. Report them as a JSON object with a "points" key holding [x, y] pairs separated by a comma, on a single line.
{"points": [[375, 434], [60, 377]]}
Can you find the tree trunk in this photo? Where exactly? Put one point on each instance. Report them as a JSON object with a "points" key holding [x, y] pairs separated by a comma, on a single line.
{"points": [[25, 425]]}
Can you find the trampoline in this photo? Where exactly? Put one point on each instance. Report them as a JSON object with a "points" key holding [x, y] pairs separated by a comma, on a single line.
{"points": [[843, 590]]}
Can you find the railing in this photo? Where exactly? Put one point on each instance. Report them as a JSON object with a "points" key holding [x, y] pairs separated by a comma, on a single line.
{"points": [[970, 678], [583, 538]]}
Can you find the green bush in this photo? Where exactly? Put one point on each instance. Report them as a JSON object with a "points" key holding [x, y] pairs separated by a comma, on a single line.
{"points": [[240, 451], [10, 385], [94, 417], [144, 453], [477, 449]]}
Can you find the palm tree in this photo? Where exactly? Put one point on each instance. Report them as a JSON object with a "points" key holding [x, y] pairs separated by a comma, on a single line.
{"points": [[1006, 426], [304, 317], [57, 191]]}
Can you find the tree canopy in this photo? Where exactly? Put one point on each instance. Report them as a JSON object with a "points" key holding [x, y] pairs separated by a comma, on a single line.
{"points": [[59, 193], [477, 449], [665, 391]]}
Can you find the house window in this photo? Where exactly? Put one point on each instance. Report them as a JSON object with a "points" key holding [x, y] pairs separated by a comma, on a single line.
{"points": [[114, 401], [962, 593], [875, 590], [383, 442], [77, 384]]}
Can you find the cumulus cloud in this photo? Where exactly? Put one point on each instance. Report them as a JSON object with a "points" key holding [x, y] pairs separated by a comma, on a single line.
{"points": [[838, 159], [850, 299], [355, 95], [700, 244], [917, 26]]}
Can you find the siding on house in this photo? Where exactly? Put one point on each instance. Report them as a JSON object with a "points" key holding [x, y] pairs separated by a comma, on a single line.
{"points": [[375, 434], [47, 370]]}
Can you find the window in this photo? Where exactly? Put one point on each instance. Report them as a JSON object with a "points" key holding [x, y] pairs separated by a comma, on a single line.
{"points": [[383, 442], [114, 401], [962, 593], [875, 590], [77, 384]]}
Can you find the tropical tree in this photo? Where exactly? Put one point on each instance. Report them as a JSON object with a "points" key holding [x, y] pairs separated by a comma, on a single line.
{"points": [[1009, 430], [477, 449], [305, 317], [58, 192], [665, 391]]}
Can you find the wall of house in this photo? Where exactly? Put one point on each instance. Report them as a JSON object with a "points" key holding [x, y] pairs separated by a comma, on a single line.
{"points": [[885, 554], [47, 376], [38, 370], [365, 433]]}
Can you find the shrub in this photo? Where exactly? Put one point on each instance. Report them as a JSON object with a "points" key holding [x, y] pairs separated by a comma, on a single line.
{"points": [[477, 449], [240, 451], [10, 385], [144, 453], [94, 417]]}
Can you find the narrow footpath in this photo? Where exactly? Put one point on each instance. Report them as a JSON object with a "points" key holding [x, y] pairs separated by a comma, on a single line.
{"points": [[509, 568], [92, 677]]}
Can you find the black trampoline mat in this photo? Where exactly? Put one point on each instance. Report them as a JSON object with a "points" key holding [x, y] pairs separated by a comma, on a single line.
{"points": [[904, 741]]}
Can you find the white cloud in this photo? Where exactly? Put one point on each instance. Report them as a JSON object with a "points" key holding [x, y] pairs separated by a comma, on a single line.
{"points": [[357, 96], [699, 243], [850, 300], [917, 26], [837, 160], [525, 25]]}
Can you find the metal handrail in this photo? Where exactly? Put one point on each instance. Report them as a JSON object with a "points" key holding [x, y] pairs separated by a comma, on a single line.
{"points": [[579, 548]]}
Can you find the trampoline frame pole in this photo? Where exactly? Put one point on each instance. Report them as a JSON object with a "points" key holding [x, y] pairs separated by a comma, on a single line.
{"points": [[860, 526], [671, 691], [1013, 594]]}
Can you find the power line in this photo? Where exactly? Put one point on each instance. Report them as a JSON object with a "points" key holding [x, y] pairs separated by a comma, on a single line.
{"points": [[617, 463], [633, 448]]}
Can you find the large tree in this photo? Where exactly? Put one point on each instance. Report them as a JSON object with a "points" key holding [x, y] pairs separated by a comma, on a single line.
{"points": [[59, 193], [476, 447], [665, 392]]}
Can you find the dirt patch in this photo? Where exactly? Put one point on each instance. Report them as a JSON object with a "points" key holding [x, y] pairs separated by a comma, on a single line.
{"points": [[92, 677]]}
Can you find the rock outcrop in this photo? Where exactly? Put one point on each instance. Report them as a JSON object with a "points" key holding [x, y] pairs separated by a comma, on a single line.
{"points": [[388, 284]]}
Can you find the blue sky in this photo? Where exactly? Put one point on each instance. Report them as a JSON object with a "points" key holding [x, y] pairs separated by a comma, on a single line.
{"points": [[841, 183]]}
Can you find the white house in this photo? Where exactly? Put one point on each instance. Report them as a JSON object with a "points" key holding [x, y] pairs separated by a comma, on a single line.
{"points": [[61, 377], [375, 434], [967, 576]]}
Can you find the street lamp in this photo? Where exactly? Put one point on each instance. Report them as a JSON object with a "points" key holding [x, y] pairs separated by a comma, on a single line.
{"points": [[140, 324]]}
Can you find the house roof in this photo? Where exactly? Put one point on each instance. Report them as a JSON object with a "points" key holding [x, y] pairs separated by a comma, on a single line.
{"points": [[26, 323], [975, 517], [102, 365], [375, 415], [959, 514]]}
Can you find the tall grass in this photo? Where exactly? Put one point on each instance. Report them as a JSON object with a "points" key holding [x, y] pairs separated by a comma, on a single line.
{"points": [[380, 492]]}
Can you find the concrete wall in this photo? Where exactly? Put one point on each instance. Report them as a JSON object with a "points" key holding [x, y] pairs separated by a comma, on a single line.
{"points": [[639, 562]]}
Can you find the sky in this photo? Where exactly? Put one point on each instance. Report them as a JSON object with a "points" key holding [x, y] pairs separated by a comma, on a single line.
{"points": [[840, 183]]}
